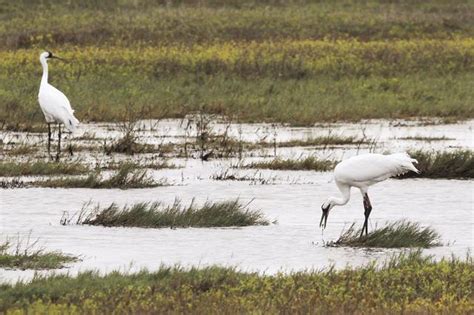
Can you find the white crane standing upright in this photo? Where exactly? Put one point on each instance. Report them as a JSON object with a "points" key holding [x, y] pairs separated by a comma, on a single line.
{"points": [[363, 171], [54, 104]]}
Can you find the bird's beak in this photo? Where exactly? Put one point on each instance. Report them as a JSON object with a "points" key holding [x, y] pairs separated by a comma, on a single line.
{"points": [[62, 59], [324, 217]]}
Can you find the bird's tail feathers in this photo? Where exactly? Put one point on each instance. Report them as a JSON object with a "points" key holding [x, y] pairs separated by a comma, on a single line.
{"points": [[406, 162]]}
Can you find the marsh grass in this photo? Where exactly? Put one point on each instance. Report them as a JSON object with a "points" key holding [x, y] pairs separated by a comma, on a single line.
{"points": [[37, 168], [156, 215], [307, 164], [256, 178], [452, 165], [128, 143], [126, 177], [26, 254], [329, 60], [409, 281], [22, 149], [12, 183], [134, 23], [427, 139], [323, 141], [155, 165], [393, 235]]}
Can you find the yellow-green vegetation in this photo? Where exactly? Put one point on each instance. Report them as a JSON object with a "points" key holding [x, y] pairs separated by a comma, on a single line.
{"points": [[127, 176], [298, 62], [408, 283], [16, 256], [393, 235], [156, 215], [310, 163], [456, 164], [36, 168], [30, 23]]}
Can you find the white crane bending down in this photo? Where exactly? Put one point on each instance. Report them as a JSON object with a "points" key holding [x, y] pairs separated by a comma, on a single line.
{"points": [[54, 104], [363, 171]]}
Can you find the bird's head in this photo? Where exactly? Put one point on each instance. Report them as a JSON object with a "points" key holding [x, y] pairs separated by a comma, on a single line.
{"points": [[49, 55], [326, 207]]}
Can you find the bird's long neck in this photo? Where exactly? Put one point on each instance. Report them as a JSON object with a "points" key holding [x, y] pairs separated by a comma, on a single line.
{"points": [[346, 195], [44, 63]]}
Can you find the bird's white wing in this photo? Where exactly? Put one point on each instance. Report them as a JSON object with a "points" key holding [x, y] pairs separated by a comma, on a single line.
{"points": [[61, 99], [372, 168], [55, 104]]}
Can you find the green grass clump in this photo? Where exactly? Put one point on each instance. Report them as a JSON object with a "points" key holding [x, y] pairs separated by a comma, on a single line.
{"points": [[307, 164], [454, 165], [126, 177], [155, 215], [393, 235], [27, 257], [38, 168], [408, 283]]}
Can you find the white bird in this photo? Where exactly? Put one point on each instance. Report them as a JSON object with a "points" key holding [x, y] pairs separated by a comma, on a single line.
{"points": [[363, 171], [54, 104]]}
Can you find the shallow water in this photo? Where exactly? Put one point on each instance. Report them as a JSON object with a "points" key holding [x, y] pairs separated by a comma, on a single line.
{"points": [[293, 198], [294, 243]]}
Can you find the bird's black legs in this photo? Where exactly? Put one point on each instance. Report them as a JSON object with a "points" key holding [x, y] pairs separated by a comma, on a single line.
{"points": [[49, 140], [59, 143], [69, 148], [368, 209]]}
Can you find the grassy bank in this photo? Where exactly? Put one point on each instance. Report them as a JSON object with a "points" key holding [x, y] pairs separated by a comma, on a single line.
{"points": [[16, 255], [127, 176], [38, 168], [392, 235], [307, 164], [299, 62], [156, 215], [409, 283], [328, 140]]}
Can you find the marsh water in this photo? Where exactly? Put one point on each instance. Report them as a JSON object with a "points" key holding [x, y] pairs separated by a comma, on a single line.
{"points": [[290, 198]]}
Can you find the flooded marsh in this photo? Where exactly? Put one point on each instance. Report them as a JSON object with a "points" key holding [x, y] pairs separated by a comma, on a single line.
{"points": [[292, 198]]}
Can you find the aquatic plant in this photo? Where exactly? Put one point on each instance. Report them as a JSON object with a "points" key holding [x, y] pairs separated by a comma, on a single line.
{"points": [[156, 215], [408, 282], [457, 164], [256, 178], [427, 139], [307, 164], [38, 167], [322, 141], [21, 149], [24, 253], [393, 235], [126, 177]]}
